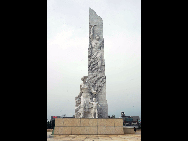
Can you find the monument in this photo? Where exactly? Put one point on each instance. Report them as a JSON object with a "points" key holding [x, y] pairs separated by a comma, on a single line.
{"points": [[91, 108], [94, 85]]}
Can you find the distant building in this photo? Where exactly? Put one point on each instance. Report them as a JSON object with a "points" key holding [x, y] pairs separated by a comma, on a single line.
{"points": [[129, 120], [64, 116], [135, 118], [53, 117]]}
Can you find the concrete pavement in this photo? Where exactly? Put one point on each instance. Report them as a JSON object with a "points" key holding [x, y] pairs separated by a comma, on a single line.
{"points": [[125, 137]]}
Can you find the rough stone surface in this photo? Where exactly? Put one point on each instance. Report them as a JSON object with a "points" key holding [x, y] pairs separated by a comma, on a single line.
{"points": [[67, 122], [84, 130], [89, 126], [88, 122], [128, 130], [111, 130], [94, 85]]}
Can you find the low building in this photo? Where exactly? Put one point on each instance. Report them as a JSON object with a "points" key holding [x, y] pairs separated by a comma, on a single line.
{"points": [[135, 118], [129, 120], [53, 117], [139, 121]]}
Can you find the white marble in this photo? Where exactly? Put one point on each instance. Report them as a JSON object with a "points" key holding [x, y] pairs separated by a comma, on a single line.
{"points": [[93, 88]]}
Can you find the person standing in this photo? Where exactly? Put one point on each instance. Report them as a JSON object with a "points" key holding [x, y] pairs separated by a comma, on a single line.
{"points": [[134, 129]]}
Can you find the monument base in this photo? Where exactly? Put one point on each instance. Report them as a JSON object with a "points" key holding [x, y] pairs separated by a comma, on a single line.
{"points": [[128, 130], [88, 126]]}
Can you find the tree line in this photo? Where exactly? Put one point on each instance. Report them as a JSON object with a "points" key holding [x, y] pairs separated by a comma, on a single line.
{"points": [[51, 124]]}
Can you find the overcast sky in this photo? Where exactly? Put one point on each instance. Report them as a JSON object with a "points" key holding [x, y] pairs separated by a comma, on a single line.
{"points": [[67, 53]]}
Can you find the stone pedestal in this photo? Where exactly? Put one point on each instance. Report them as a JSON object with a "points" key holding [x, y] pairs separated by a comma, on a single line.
{"points": [[128, 130], [88, 126]]}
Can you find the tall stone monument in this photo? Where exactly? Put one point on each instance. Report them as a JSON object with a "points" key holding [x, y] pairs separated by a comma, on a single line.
{"points": [[91, 108], [91, 101]]}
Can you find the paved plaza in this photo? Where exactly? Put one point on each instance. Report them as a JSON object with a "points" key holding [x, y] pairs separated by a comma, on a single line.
{"points": [[126, 137]]}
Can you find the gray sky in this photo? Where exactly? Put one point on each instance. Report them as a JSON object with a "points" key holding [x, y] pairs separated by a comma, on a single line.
{"points": [[67, 50]]}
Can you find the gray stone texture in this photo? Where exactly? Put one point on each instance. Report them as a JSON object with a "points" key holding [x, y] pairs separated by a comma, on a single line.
{"points": [[94, 85]]}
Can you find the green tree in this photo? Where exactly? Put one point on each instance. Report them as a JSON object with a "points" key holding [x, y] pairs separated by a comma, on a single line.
{"points": [[53, 124], [48, 125]]}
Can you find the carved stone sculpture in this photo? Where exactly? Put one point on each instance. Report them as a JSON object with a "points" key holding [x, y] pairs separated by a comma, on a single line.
{"points": [[95, 108], [94, 85]]}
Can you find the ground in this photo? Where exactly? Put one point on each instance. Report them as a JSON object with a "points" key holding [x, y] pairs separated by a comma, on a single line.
{"points": [[126, 137]]}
